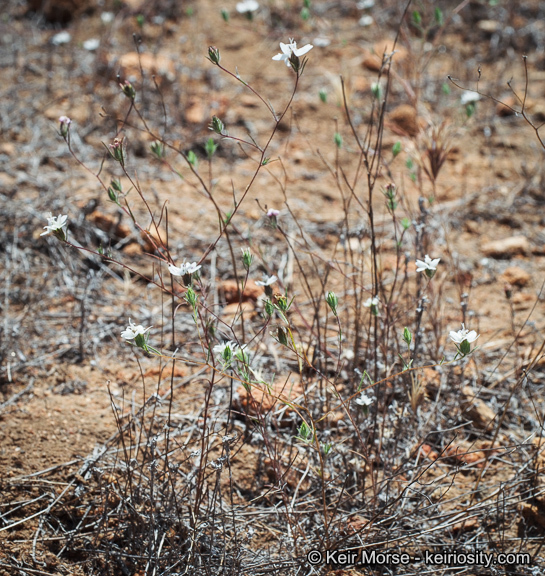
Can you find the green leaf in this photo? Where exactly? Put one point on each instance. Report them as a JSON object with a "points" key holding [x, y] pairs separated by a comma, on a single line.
{"points": [[192, 158]]}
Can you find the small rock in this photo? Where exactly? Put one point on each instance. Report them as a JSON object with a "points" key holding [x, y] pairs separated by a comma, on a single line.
{"points": [[506, 107], [466, 454], [386, 46], [476, 409], [109, 224], [261, 400], [507, 247], [404, 117], [61, 38], [92, 44], [372, 62], [523, 301], [234, 311], [533, 514], [489, 26], [251, 291], [516, 276], [194, 111], [7, 148], [167, 371], [132, 249], [426, 451], [151, 64]]}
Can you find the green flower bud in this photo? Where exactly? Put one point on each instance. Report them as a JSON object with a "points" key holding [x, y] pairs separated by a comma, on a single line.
{"points": [[333, 301], [128, 89], [213, 55], [216, 125]]}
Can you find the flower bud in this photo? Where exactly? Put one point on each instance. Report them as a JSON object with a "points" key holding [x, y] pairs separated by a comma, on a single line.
{"points": [[191, 297], [128, 89], [247, 258], [216, 125], [269, 308], [116, 150], [157, 149], [64, 126], [333, 302], [112, 194], [214, 55]]}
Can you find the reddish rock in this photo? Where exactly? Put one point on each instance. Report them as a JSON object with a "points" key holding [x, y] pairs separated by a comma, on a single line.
{"points": [[405, 119], [251, 291], [516, 276], [152, 64], [506, 107], [109, 224], [476, 409], [426, 451], [261, 400], [516, 245], [372, 62], [466, 454]]}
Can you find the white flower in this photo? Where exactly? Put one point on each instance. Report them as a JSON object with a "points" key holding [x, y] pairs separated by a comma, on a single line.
{"points": [[54, 224], [372, 302], [185, 268], [175, 271], [219, 349], [427, 264], [133, 330], [464, 335], [191, 267], [289, 49], [247, 6], [272, 213], [267, 281], [225, 352], [363, 400], [469, 97]]}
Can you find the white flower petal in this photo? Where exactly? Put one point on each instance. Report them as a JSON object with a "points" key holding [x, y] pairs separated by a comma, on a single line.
{"points": [[177, 271], [301, 51]]}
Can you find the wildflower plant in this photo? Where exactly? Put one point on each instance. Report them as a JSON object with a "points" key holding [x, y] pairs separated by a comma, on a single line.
{"points": [[343, 352]]}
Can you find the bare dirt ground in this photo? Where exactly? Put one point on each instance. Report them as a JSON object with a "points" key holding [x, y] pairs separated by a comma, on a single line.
{"points": [[85, 477]]}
